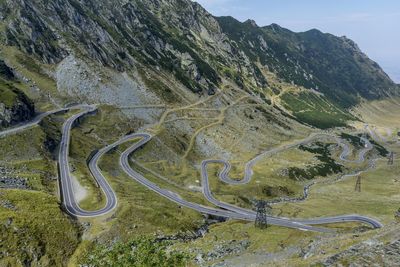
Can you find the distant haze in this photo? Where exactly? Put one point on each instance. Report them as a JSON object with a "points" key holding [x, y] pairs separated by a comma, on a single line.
{"points": [[373, 25]]}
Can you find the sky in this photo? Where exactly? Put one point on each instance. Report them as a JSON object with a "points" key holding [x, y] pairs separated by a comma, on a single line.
{"points": [[373, 24]]}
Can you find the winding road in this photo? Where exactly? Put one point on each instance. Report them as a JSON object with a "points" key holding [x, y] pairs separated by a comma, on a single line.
{"points": [[67, 190], [224, 209], [36, 120], [239, 213], [346, 150], [248, 172]]}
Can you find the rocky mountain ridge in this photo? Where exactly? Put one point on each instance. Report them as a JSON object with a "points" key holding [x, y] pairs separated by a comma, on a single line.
{"points": [[332, 65], [204, 87], [180, 39]]}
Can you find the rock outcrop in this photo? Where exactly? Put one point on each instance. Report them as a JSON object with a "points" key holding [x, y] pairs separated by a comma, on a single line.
{"points": [[181, 39], [20, 111], [15, 106]]}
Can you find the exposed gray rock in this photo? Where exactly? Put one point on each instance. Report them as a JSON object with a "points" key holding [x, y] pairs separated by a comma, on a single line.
{"points": [[15, 106], [7, 204], [222, 250], [19, 112], [13, 182], [369, 253], [77, 79], [5, 71], [9, 179]]}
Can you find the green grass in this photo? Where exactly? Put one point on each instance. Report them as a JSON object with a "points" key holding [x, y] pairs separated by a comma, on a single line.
{"points": [[378, 198], [382, 150], [39, 232], [32, 154], [137, 206], [7, 95], [358, 144], [81, 147], [34, 231], [269, 240], [142, 251], [140, 207], [31, 69], [326, 166], [159, 88], [315, 110], [354, 140]]}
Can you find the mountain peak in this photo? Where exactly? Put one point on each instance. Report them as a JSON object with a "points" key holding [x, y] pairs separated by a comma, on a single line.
{"points": [[186, 42], [251, 22]]}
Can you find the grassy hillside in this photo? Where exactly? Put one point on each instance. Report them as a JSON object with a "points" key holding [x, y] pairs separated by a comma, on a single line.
{"points": [[38, 234], [316, 110], [139, 252], [332, 65], [205, 88]]}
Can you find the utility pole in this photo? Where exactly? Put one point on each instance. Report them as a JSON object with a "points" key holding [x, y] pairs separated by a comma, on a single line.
{"points": [[391, 158], [261, 218], [358, 184]]}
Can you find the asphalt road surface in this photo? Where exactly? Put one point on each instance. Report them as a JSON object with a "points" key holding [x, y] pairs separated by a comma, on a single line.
{"points": [[228, 210], [231, 214], [67, 191], [225, 210], [347, 151], [223, 175], [35, 121]]}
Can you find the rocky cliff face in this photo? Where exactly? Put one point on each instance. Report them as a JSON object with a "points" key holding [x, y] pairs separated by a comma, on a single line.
{"points": [[15, 107], [15, 114], [180, 38], [118, 34], [140, 59]]}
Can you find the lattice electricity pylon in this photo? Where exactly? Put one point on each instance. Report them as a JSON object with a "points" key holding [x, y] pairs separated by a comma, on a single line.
{"points": [[261, 217], [358, 184], [391, 158]]}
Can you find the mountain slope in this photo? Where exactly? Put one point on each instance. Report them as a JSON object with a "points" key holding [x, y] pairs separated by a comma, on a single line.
{"points": [[196, 48], [204, 87], [15, 106], [332, 65]]}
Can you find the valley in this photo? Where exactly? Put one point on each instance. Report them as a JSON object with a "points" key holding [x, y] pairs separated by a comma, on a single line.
{"points": [[149, 132], [287, 207]]}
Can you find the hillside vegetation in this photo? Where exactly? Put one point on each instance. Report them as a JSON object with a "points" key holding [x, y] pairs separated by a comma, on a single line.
{"points": [[204, 87]]}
